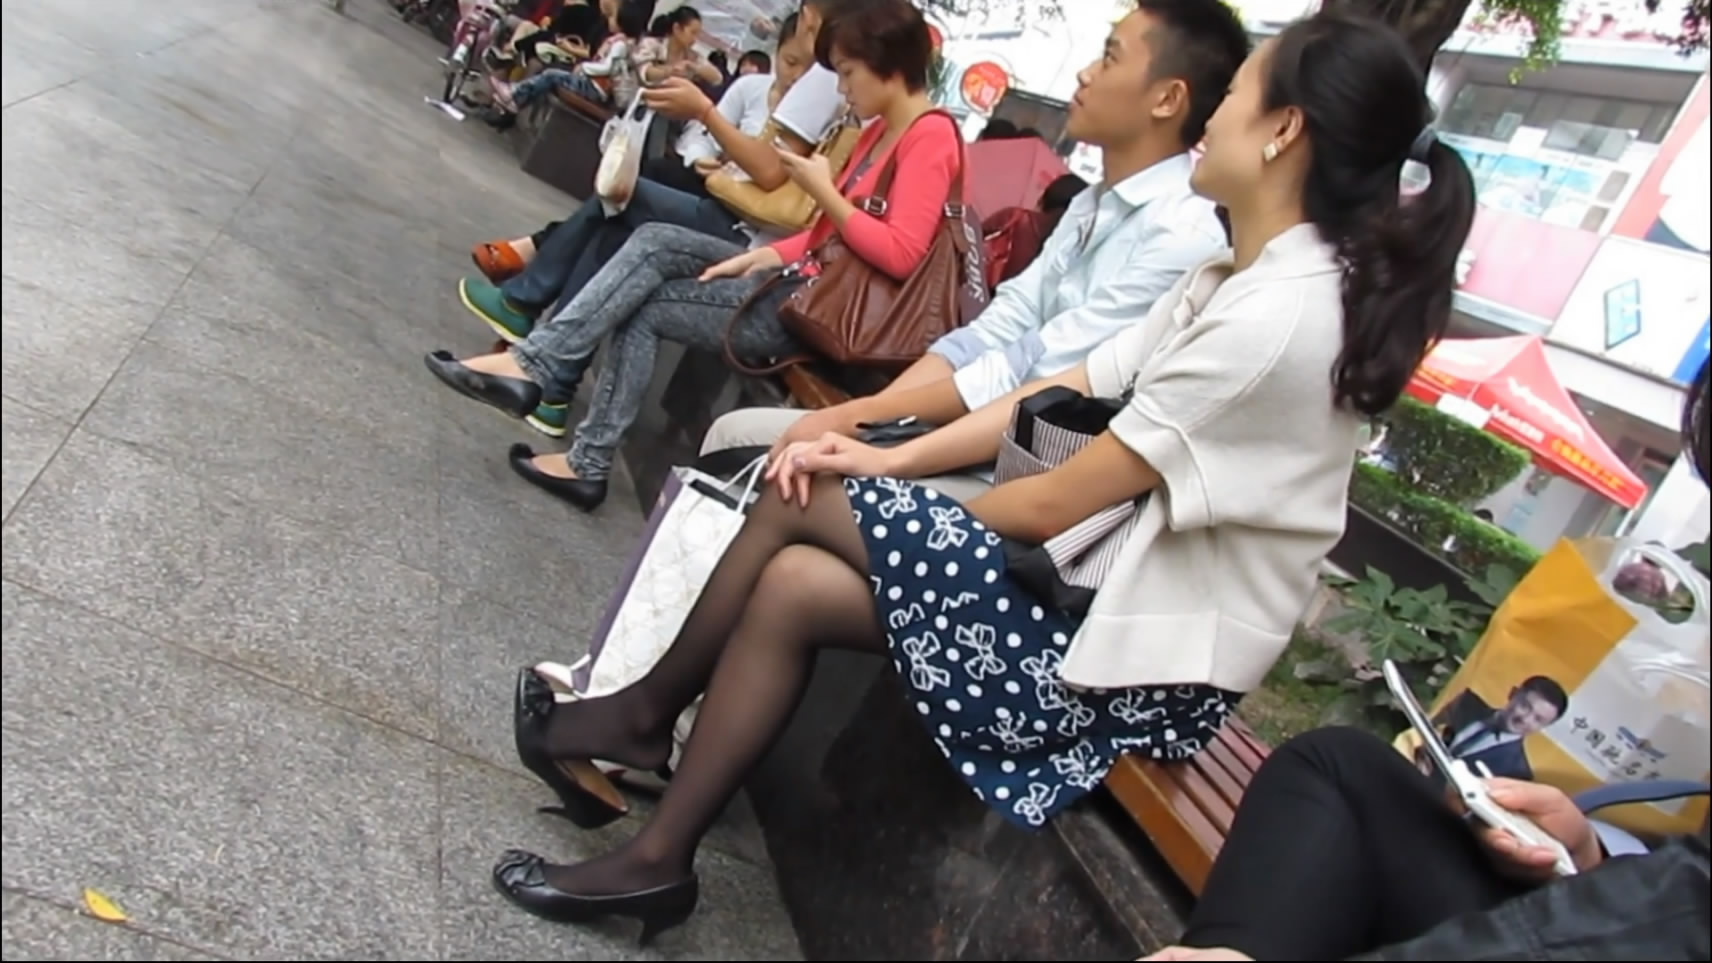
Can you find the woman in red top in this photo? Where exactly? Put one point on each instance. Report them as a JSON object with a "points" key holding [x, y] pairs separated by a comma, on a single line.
{"points": [[672, 283]]}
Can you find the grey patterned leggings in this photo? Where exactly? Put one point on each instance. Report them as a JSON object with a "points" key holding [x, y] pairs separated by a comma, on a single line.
{"points": [[647, 293]]}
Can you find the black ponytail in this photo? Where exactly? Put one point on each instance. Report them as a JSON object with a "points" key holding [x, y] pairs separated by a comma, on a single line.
{"points": [[1366, 112], [662, 26], [1398, 285]]}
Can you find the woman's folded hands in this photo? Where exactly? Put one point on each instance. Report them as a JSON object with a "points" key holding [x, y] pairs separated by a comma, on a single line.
{"points": [[793, 468]]}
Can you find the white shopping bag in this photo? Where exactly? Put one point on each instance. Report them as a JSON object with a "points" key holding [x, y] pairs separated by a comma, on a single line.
{"points": [[695, 519], [622, 140]]}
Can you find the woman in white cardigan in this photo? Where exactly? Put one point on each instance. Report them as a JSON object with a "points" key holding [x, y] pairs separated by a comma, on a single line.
{"points": [[1246, 386]]}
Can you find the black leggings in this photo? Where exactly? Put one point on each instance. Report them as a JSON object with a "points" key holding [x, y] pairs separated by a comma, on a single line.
{"points": [[1340, 846]]}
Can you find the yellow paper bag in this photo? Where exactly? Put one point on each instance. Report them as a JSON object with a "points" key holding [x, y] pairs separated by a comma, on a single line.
{"points": [[1575, 686]]}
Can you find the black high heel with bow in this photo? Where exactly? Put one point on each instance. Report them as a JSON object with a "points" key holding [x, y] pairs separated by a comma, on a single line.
{"points": [[587, 797], [522, 878]]}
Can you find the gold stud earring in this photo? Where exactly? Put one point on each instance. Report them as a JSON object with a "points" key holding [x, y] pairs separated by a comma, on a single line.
{"points": [[1269, 153]]}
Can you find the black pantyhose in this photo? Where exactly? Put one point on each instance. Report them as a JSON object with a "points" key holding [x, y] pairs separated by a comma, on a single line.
{"points": [[794, 581]]}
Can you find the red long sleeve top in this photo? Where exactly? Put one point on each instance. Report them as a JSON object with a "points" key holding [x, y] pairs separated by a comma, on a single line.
{"points": [[928, 154]]}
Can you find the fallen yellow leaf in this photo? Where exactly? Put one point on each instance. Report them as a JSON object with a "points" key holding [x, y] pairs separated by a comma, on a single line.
{"points": [[102, 908]]}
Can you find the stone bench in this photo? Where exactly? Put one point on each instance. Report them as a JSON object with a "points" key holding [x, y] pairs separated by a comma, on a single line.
{"points": [[558, 141]]}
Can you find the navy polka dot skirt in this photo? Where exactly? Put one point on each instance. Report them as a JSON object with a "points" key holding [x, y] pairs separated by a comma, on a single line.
{"points": [[981, 658]]}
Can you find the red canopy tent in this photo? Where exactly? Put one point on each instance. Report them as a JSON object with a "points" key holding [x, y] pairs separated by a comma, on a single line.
{"points": [[1511, 380]]}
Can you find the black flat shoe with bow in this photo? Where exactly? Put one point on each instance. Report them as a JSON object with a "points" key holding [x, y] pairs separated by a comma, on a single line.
{"points": [[514, 396], [587, 797], [586, 495], [521, 877]]}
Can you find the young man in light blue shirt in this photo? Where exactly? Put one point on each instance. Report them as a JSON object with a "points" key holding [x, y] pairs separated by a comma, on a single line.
{"points": [[1121, 244]]}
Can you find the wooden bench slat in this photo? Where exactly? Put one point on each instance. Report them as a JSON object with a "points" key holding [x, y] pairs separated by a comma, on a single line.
{"points": [[810, 390], [1176, 826], [1234, 771], [1186, 808], [1218, 766], [1195, 788], [1253, 752], [584, 106]]}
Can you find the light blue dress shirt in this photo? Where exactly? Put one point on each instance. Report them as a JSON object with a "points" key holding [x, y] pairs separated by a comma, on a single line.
{"points": [[1114, 252]]}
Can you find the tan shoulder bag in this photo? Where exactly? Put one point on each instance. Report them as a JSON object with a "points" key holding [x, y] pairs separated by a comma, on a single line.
{"points": [[786, 208]]}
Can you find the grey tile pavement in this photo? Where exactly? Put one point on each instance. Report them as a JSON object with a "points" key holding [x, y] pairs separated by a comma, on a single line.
{"points": [[264, 584]]}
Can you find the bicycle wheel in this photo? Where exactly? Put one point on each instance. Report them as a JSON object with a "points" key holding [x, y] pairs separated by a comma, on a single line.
{"points": [[454, 82]]}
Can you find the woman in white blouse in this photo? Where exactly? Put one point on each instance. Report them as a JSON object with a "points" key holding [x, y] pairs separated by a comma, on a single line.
{"points": [[1246, 387]]}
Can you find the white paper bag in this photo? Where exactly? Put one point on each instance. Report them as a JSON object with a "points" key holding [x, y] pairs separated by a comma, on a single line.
{"points": [[692, 525], [622, 142]]}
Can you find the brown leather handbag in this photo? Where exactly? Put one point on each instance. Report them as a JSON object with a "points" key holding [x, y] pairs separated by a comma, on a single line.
{"points": [[850, 312]]}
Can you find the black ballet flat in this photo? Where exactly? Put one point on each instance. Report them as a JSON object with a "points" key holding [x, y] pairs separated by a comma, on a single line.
{"points": [[587, 798], [521, 877], [586, 495], [514, 396]]}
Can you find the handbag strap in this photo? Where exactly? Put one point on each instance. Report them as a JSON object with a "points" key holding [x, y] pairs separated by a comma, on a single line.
{"points": [[875, 203], [737, 364], [883, 185]]}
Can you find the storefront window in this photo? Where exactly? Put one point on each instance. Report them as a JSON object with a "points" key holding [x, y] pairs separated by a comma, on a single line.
{"points": [[1497, 113]]}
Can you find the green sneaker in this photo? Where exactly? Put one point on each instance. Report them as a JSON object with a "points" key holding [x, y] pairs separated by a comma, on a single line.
{"points": [[550, 420], [487, 302]]}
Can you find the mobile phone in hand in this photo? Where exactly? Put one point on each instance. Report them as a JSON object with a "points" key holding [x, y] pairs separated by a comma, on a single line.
{"points": [[1468, 787]]}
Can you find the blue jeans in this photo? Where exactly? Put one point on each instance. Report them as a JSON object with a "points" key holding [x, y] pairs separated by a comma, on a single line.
{"points": [[534, 88], [575, 249], [648, 293]]}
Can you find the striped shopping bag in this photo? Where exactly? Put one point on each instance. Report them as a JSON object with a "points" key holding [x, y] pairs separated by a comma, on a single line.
{"points": [[1046, 429]]}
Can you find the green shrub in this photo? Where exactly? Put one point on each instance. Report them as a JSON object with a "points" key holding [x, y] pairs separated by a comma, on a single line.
{"points": [[1426, 633], [1431, 521], [1447, 457]]}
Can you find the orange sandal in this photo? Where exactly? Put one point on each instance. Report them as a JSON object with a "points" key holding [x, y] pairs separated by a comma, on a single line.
{"points": [[498, 260]]}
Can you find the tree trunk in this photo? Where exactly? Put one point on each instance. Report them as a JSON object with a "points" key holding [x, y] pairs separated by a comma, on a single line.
{"points": [[1426, 24]]}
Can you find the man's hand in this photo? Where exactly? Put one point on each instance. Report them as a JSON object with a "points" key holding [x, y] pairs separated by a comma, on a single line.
{"points": [[678, 99], [707, 166], [1551, 810], [837, 420], [1195, 953], [794, 470]]}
